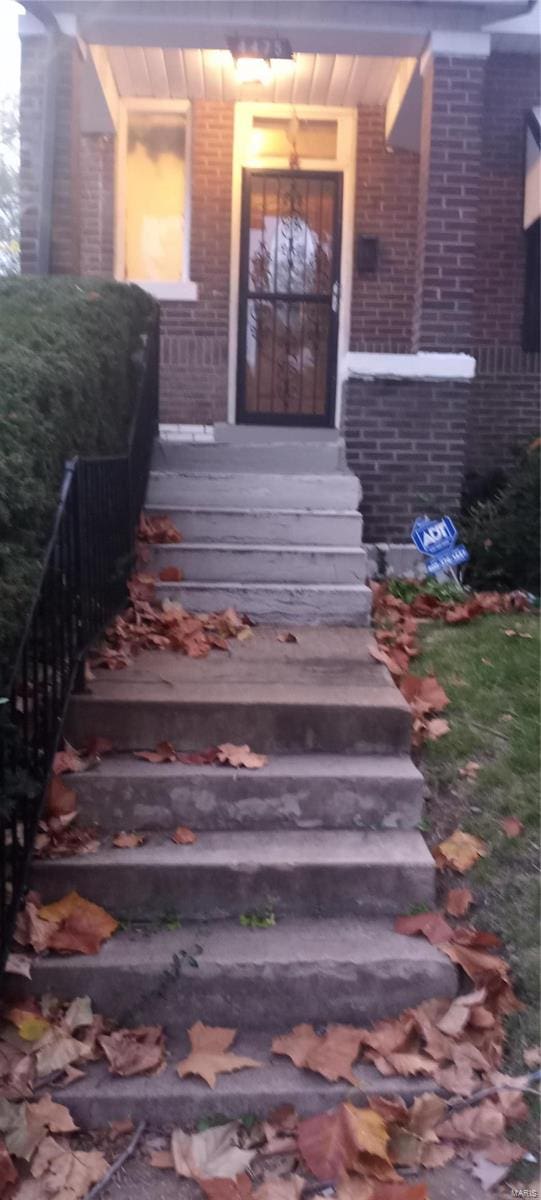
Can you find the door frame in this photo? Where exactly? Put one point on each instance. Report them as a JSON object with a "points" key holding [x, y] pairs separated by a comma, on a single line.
{"points": [[344, 164], [326, 420]]}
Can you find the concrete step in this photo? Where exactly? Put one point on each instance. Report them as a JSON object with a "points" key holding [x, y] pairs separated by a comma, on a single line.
{"points": [[165, 1100], [296, 872], [338, 490], [311, 791], [324, 971], [277, 603], [275, 718], [264, 526], [262, 564], [271, 456], [253, 435]]}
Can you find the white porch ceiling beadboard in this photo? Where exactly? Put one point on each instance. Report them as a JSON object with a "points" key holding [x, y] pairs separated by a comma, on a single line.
{"points": [[334, 79]]}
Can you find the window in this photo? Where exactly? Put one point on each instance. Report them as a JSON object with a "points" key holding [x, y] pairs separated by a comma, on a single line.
{"points": [[277, 137], [153, 199]]}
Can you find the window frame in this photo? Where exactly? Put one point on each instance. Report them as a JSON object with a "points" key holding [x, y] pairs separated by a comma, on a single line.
{"points": [[184, 288]]}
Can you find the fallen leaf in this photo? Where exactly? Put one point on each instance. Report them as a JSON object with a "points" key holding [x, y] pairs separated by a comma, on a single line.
{"points": [[199, 758], [120, 1129], [460, 851], [96, 747], [170, 575], [128, 841], [213, 1153], [346, 1139], [240, 756], [162, 1159], [458, 1014], [431, 924], [78, 925], [400, 1191], [22, 1135], [134, 1051], [8, 1171], [532, 1057], [488, 1173], [78, 1014], [60, 800], [331, 1055], [56, 1117], [278, 1188], [512, 827], [67, 1174], [157, 529], [58, 1050], [436, 728], [28, 1020], [287, 636], [18, 964], [244, 634], [458, 901], [470, 769], [424, 693], [183, 836], [209, 1055], [163, 753]]}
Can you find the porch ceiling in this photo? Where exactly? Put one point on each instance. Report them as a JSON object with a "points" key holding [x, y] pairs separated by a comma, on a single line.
{"points": [[327, 79]]}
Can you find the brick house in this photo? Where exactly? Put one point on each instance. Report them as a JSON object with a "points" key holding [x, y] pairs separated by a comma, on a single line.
{"points": [[336, 204]]}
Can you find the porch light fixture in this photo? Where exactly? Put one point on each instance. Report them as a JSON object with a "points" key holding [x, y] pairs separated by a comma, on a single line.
{"points": [[257, 60]]}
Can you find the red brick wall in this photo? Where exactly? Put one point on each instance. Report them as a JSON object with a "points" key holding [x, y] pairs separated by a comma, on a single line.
{"points": [[450, 161], [385, 207], [406, 441], [195, 337], [97, 204]]}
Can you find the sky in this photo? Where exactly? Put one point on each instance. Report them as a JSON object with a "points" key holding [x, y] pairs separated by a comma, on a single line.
{"points": [[9, 46]]}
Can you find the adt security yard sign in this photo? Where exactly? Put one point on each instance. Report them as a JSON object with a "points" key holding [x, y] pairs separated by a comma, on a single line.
{"points": [[437, 540]]}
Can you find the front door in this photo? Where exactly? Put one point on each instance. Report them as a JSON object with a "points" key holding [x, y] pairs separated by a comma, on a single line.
{"points": [[288, 297]]}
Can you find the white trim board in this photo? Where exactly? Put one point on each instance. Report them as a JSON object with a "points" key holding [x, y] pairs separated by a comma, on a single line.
{"points": [[424, 365]]}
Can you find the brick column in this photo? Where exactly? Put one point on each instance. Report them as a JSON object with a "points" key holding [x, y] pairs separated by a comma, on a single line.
{"points": [[449, 189], [66, 207], [32, 97]]}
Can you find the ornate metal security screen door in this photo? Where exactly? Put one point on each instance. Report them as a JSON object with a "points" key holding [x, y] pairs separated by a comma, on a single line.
{"points": [[289, 297]]}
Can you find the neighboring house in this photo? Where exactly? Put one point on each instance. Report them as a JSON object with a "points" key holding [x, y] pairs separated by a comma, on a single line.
{"points": [[353, 239]]}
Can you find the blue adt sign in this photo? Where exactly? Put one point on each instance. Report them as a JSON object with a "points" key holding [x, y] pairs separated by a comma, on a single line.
{"points": [[437, 540]]}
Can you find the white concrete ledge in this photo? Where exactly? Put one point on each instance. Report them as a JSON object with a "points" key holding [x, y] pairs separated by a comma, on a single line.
{"points": [[428, 366], [183, 290]]}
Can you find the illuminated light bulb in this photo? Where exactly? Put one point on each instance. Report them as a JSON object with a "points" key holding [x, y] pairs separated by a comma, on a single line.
{"points": [[253, 70]]}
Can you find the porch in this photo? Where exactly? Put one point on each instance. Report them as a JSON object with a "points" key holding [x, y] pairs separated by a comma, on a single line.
{"points": [[315, 237]]}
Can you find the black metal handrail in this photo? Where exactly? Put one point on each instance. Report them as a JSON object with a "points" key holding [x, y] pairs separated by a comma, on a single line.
{"points": [[82, 584]]}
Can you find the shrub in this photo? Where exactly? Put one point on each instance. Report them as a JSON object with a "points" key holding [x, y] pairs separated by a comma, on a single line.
{"points": [[67, 386], [502, 534]]}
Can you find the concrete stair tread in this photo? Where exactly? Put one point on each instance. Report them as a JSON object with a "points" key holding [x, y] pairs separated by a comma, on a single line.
{"points": [[245, 851], [254, 510], [293, 941], [222, 473], [252, 547], [166, 1100], [282, 766]]}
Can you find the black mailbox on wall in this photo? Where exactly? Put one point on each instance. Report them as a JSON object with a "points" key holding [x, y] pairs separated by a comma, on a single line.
{"points": [[367, 254]]}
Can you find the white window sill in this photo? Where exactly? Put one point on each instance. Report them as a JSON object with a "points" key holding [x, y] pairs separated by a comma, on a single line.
{"points": [[183, 290], [426, 365]]}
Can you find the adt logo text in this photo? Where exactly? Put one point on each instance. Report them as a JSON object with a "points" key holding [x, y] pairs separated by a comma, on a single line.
{"points": [[434, 536]]}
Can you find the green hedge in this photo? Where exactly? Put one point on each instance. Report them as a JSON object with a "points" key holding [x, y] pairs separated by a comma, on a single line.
{"points": [[67, 386], [503, 533]]}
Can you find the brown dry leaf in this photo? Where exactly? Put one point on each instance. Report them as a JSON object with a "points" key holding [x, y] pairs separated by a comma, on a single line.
{"points": [[128, 841], [157, 529], [77, 925], [183, 836], [460, 851], [276, 1187], [512, 827], [120, 1129], [244, 635], [424, 693], [163, 753], [436, 728], [60, 800], [162, 1160], [18, 964], [346, 1139], [432, 925], [134, 1051], [70, 760], [56, 1117], [199, 758], [28, 1020], [57, 1051], [211, 1154], [96, 747], [470, 769], [30, 929], [352, 1187], [532, 1057], [454, 1021], [400, 1191], [287, 636], [240, 756], [67, 1174], [331, 1055], [458, 901], [8, 1171], [170, 575], [209, 1055]]}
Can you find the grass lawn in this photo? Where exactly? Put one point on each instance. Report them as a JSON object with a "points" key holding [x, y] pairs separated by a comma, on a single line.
{"points": [[492, 681]]}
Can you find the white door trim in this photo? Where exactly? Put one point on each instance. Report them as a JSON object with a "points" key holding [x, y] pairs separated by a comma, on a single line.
{"points": [[343, 163]]}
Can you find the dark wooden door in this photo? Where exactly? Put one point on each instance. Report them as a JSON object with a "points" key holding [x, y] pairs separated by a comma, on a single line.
{"points": [[289, 297]]}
